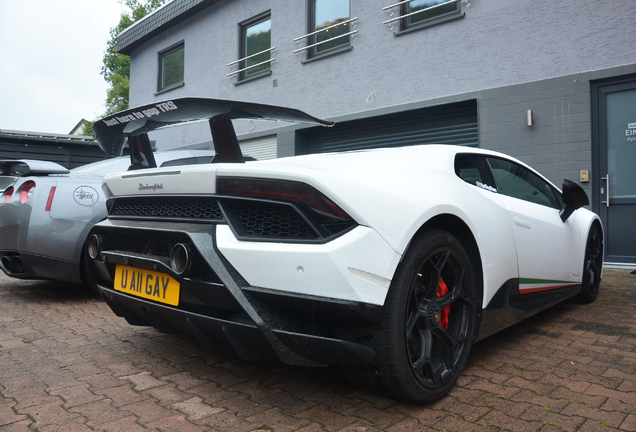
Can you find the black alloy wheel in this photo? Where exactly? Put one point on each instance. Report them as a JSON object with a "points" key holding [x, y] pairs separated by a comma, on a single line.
{"points": [[592, 266], [438, 320], [428, 327]]}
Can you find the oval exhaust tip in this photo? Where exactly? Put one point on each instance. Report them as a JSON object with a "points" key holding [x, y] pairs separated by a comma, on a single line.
{"points": [[180, 259]]}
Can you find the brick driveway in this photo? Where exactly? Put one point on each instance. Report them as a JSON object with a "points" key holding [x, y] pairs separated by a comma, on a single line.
{"points": [[67, 363]]}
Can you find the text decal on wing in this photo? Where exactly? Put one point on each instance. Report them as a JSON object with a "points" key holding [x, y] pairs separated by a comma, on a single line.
{"points": [[138, 115]]}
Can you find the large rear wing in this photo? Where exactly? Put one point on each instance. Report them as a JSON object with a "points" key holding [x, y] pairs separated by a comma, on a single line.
{"points": [[135, 123]]}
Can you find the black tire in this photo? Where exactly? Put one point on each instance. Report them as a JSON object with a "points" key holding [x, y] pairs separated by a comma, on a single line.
{"points": [[592, 266], [417, 359]]}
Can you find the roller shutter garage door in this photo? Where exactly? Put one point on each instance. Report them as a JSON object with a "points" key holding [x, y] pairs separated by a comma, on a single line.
{"points": [[454, 123], [260, 148]]}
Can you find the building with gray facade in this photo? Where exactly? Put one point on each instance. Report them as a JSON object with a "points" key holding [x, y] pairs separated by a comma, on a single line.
{"points": [[552, 83]]}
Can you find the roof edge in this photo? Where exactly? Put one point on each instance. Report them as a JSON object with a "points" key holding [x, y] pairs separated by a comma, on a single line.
{"points": [[168, 15], [142, 19], [16, 134]]}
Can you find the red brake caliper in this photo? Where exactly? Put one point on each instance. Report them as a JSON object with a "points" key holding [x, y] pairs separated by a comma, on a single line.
{"points": [[443, 289]]}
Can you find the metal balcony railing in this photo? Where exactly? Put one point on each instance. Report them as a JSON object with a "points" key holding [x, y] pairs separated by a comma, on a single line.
{"points": [[300, 38], [271, 59], [414, 13]]}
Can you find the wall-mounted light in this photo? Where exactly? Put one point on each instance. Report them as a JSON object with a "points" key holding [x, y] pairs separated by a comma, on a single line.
{"points": [[529, 118]]}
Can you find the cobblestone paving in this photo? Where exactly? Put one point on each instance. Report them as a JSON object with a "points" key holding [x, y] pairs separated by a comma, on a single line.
{"points": [[67, 363]]}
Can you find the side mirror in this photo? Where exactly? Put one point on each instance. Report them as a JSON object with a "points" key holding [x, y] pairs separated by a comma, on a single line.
{"points": [[574, 197]]}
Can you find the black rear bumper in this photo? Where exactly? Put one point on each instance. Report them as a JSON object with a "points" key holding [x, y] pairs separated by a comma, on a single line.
{"points": [[244, 339], [24, 265], [224, 313]]}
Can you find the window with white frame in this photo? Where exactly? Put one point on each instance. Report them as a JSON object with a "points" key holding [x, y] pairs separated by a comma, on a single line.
{"points": [[171, 67]]}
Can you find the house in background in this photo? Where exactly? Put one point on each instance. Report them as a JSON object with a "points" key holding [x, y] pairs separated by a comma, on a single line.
{"points": [[551, 83], [79, 128], [70, 151]]}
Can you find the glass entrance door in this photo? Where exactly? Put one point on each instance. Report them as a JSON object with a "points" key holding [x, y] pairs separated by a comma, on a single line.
{"points": [[616, 183]]}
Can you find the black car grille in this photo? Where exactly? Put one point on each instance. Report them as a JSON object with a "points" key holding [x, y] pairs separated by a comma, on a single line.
{"points": [[251, 219], [142, 245], [267, 220], [198, 208]]}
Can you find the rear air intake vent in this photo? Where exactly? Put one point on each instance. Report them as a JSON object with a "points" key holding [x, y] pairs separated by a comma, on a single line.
{"points": [[181, 208], [269, 220]]}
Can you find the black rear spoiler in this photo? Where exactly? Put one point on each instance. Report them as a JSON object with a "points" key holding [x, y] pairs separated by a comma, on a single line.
{"points": [[135, 123], [30, 167]]}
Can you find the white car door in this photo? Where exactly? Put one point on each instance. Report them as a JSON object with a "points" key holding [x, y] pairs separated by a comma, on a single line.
{"points": [[546, 246]]}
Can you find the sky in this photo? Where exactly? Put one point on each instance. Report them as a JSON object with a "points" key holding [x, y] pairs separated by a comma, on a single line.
{"points": [[50, 58]]}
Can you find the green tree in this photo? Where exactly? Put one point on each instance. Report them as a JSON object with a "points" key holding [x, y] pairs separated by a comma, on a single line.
{"points": [[87, 130], [116, 67]]}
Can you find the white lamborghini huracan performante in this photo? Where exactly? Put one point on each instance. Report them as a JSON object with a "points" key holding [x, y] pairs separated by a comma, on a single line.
{"points": [[390, 262]]}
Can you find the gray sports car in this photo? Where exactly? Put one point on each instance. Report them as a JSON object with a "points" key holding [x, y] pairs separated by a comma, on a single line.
{"points": [[46, 212]]}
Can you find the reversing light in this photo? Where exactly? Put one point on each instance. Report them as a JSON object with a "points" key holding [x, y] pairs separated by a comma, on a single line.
{"points": [[50, 200], [27, 191], [325, 209], [7, 194]]}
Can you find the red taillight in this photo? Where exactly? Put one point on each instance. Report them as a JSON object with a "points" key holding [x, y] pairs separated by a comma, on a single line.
{"points": [[326, 210], [27, 191], [50, 200], [7, 194]]}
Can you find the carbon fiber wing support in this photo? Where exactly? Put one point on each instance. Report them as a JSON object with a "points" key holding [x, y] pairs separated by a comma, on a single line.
{"points": [[135, 123]]}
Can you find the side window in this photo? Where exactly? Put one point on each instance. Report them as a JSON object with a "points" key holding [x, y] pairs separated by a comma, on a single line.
{"points": [[422, 12], [256, 46], [518, 182], [171, 67], [325, 18], [474, 169]]}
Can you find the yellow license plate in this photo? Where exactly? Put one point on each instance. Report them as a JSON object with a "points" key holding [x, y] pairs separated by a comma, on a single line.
{"points": [[147, 284]]}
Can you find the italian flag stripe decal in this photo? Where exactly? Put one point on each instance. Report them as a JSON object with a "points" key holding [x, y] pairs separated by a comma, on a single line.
{"points": [[528, 286]]}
